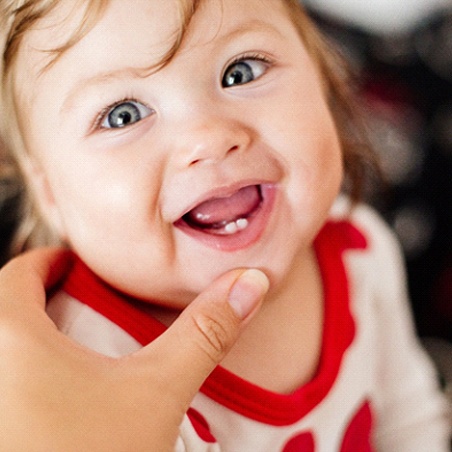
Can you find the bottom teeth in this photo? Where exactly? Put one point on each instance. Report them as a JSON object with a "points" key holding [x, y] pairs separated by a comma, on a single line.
{"points": [[233, 226], [242, 223]]}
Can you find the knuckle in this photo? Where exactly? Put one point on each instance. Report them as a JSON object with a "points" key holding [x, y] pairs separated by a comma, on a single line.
{"points": [[216, 337]]}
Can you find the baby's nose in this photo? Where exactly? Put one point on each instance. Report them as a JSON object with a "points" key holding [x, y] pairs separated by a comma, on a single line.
{"points": [[211, 141]]}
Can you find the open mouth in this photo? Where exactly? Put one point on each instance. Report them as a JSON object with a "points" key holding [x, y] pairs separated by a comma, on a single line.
{"points": [[231, 222], [226, 215]]}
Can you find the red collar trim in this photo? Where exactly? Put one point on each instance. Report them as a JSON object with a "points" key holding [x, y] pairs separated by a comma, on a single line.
{"points": [[223, 386]]}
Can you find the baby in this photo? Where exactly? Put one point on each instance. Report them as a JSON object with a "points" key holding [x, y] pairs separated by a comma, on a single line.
{"points": [[168, 142]]}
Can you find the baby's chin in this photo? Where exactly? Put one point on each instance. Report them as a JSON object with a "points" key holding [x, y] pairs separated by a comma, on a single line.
{"points": [[199, 281], [187, 288]]}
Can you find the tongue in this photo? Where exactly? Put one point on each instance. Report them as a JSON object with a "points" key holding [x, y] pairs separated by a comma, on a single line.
{"points": [[218, 211]]}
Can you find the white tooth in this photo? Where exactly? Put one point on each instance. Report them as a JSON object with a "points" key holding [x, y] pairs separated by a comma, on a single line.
{"points": [[230, 228], [202, 217], [242, 223]]}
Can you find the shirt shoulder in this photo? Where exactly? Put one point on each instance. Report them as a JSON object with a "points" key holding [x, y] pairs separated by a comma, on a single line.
{"points": [[382, 250]]}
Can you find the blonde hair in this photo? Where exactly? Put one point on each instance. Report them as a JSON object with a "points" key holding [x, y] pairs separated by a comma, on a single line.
{"points": [[17, 17]]}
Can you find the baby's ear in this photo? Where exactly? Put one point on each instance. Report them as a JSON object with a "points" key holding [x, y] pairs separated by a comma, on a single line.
{"points": [[42, 195]]}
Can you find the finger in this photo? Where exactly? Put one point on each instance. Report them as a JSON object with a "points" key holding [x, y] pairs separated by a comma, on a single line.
{"points": [[206, 330], [25, 278]]}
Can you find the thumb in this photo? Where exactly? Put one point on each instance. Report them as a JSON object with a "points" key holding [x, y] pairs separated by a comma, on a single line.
{"points": [[206, 330]]}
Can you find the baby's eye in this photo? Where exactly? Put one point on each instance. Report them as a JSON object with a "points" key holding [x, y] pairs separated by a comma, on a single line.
{"points": [[125, 114], [244, 71]]}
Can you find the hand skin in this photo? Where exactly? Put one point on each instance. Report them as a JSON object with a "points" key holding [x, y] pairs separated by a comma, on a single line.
{"points": [[59, 396]]}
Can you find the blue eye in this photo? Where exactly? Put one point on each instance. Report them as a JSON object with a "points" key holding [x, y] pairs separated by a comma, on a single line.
{"points": [[125, 114], [243, 71]]}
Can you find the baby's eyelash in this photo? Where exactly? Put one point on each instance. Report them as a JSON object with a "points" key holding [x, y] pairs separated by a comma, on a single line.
{"points": [[104, 112], [251, 56]]}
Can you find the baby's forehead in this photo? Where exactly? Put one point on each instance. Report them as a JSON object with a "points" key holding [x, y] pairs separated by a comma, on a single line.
{"points": [[66, 25]]}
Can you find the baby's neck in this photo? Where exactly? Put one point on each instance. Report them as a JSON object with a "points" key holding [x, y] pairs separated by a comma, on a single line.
{"points": [[281, 347]]}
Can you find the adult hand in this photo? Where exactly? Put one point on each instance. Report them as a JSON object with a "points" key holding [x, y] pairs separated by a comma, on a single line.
{"points": [[57, 395]]}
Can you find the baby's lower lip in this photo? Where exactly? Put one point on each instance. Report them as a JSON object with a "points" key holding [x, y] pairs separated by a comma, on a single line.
{"points": [[238, 233]]}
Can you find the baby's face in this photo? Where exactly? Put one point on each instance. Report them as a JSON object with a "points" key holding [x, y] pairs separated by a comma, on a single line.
{"points": [[227, 157]]}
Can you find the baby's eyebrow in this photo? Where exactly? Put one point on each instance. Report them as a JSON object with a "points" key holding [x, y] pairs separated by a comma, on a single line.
{"points": [[101, 78], [250, 26]]}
